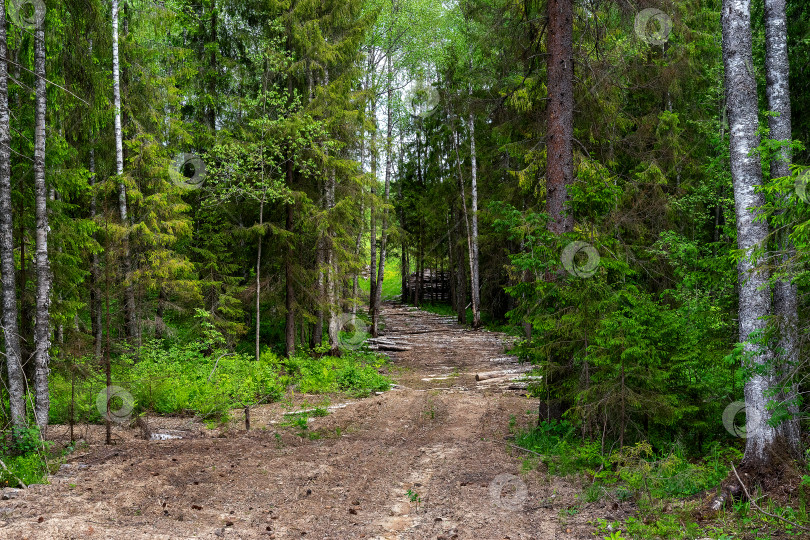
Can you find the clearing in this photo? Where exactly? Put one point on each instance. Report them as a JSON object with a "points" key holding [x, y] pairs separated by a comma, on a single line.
{"points": [[424, 460]]}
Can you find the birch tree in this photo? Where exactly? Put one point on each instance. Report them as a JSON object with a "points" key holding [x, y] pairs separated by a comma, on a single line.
{"points": [[475, 282], [746, 173], [785, 301], [42, 326], [126, 263], [16, 377]]}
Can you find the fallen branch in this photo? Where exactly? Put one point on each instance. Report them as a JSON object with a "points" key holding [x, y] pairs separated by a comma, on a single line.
{"points": [[216, 364], [526, 450]]}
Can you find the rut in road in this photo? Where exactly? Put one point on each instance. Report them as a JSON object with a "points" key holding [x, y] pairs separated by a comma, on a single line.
{"points": [[424, 460]]}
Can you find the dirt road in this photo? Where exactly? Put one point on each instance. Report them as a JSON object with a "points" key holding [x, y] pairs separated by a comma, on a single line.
{"points": [[427, 459]]}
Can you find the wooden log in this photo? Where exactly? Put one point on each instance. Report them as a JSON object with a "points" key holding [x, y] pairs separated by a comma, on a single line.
{"points": [[483, 376]]}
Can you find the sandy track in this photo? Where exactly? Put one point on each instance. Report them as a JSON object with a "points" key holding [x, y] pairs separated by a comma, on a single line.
{"points": [[438, 433]]}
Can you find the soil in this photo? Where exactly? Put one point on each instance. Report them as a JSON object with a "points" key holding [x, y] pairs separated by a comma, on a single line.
{"points": [[430, 458]]}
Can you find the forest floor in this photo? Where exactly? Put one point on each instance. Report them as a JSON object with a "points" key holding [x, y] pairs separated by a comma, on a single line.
{"points": [[426, 459]]}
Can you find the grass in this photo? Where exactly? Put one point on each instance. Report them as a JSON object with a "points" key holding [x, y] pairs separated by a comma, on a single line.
{"points": [[664, 489], [392, 282], [446, 310]]}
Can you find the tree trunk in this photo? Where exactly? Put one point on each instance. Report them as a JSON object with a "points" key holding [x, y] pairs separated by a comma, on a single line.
{"points": [[460, 300], [16, 377], [289, 332], [259, 271], [560, 160], [42, 326], [465, 216], [320, 289], [126, 262], [372, 281], [332, 282], [212, 66], [387, 193], [777, 71], [475, 286], [746, 173], [95, 294]]}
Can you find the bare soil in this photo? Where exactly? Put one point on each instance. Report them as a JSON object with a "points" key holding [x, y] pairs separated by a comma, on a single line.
{"points": [[438, 433]]}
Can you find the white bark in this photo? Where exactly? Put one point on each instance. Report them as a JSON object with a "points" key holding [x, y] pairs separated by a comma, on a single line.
{"points": [[42, 325], [126, 263], [754, 294], [777, 71], [16, 377], [475, 285]]}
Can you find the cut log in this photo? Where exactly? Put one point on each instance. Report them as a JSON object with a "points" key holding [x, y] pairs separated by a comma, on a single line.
{"points": [[483, 376]]}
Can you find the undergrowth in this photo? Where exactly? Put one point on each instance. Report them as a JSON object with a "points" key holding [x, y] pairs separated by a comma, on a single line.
{"points": [[201, 378], [204, 379], [663, 488]]}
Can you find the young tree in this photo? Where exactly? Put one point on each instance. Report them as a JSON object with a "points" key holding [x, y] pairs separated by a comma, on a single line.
{"points": [[752, 233]]}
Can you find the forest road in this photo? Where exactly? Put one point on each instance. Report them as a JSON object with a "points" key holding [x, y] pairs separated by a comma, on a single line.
{"points": [[428, 459]]}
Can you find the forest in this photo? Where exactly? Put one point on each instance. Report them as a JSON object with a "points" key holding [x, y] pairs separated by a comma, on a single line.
{"points": [[215, 211]]}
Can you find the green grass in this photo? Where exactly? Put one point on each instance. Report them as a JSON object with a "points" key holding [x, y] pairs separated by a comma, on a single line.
{"points": [[665, 488], [446, 310], [392, 284], [27, 458]]}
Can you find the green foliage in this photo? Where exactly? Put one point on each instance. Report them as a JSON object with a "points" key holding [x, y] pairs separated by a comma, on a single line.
{"points": [[24, 454], [634, 472], [31, 468], [353, 372], [204, 379], [617, 355]]}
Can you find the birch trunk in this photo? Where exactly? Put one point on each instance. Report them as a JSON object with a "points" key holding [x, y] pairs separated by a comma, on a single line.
{"points": [[16, 377], [332, 283], [560, 166], [746, 173], [777, 71], [42, 326], [475, 286], [126, 262]]}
